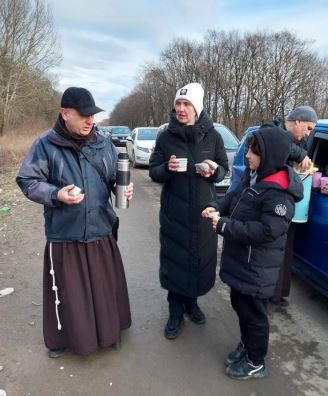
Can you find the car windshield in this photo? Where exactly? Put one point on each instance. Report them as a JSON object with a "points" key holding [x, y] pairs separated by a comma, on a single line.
{"points": [[105, 129], [230, 141], [147, 134], [119, 130]]}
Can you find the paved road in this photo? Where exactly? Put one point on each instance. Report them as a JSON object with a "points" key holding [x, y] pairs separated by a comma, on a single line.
{"points": [[148, 364]]}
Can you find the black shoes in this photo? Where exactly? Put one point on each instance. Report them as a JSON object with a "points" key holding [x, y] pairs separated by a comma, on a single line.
{"points": [[176, 320], [282, 302], [195, 314], [117, 345], [173, 327], [245, 369], [236, 355], [56, 353], [239, 366]]}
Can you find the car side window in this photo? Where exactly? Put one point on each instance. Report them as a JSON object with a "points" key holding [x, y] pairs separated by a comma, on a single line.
{"points": [[133, 134]]}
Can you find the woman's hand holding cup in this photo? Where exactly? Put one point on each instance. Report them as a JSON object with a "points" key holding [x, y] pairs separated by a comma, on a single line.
{"points": [[177, 164], [173, 163]]}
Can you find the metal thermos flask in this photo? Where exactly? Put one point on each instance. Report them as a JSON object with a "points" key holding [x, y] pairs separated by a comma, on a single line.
{"points": [[122, 180]]}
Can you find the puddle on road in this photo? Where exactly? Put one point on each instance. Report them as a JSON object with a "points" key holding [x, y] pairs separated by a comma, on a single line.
{"points": [[299, 348]]}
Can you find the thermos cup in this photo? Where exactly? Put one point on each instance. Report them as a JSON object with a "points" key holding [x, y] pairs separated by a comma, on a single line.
{"points": [[122, 180]]}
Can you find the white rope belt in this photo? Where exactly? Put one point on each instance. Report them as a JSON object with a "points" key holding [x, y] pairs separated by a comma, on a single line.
{"points": [[54, 288]]}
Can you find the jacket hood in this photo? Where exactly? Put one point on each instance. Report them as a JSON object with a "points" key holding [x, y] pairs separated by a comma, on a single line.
{"points": [[294, 187], [193, 133], [275, 146]]}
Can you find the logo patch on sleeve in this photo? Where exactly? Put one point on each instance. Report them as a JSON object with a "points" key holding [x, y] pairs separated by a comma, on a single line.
{"points": [[280, 209], [183, 91]]}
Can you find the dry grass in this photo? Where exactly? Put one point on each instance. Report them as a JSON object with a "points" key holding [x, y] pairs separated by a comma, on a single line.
{"points": [[14, 145], [9, 190]]}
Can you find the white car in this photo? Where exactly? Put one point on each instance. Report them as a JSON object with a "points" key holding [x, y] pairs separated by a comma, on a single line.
{"points": [[140, 145]]}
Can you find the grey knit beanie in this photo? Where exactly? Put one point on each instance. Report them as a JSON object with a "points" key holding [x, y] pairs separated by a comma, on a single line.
{"points": [[303, 113]]}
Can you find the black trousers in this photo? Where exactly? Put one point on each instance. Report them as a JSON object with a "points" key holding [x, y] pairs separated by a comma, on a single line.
{"points": [[178, 303], [285, 272], [253, 323]]}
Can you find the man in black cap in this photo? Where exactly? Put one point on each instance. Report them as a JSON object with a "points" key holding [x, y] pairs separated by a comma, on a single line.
{"points": [[70, 169]]}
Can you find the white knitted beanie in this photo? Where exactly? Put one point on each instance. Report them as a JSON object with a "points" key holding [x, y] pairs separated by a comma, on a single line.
{"points": [[194, 93]]}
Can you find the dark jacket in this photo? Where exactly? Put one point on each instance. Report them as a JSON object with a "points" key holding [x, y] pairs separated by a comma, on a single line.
{"points": [[297, 152], [298, 149], [53, 163], [255, 219], [188, 244]]}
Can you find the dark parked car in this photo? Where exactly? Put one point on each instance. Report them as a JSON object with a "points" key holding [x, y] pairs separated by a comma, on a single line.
{"points": [[311, 239], [104, 130], [118, 134], [230, 144]]}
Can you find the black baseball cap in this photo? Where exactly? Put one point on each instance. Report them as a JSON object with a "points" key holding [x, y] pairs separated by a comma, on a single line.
{"points": [[81, 100]]}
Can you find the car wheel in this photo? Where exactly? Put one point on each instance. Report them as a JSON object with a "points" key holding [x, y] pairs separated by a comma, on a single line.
{"points": [[134, 163]]}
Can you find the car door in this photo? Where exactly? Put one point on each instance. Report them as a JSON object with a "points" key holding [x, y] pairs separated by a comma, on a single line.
{"points": [[135, 140], [129, 144]]}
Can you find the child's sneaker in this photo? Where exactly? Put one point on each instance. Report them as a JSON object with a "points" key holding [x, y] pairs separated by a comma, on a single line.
{"points": [[235, 355], [245, 369]]}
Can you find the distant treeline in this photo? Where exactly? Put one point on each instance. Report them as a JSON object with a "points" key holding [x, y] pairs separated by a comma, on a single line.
{"points": [[248, 79], [28, 50]]}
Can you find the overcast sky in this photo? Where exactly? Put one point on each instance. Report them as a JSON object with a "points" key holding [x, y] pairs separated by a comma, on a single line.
{"points": [[106, 42]]}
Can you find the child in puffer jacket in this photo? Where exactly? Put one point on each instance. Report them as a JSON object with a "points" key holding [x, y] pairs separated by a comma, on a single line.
{"points": [[254, 221]]}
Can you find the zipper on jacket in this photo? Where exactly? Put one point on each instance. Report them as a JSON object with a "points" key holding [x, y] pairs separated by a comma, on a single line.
{"points": [[233, 210], [249, 253], [253, 189], [241, 195]]}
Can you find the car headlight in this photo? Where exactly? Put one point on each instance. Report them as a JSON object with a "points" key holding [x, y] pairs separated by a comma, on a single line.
{"points": [[144, 149]]}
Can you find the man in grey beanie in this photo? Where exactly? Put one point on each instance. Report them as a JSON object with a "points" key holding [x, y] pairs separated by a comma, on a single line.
{"points": [[300, 122], [303, 113]]}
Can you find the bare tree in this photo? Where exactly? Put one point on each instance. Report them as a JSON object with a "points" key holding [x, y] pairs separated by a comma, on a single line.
{"points": [[248, 78], [28, 49]]}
